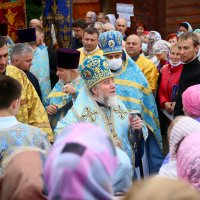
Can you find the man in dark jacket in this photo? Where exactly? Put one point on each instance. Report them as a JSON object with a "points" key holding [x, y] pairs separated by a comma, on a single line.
{"points": [[188, 46], [21, 57], [78, 27]]}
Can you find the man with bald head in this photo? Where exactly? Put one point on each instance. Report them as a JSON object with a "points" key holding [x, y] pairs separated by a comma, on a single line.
{"points": [[35, 22], [38, 23], [121, 26], [133, 47]]}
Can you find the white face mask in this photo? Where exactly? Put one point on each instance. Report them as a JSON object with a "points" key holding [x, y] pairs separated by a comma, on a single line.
{"points": [[176, 64], [144, 47], [180, 33], [115, 64]]}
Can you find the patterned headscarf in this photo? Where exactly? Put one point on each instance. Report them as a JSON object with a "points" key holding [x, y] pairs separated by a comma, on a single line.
{"points": [[191, 100], [22, 178], [161, 46], [183, 127], [81, 164], [153, 37], [188, 160]]}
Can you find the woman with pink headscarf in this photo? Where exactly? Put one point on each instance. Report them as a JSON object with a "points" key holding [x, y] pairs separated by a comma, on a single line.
{"points": [[179, 129], [191, 101], [188, 160], [83, 164]]}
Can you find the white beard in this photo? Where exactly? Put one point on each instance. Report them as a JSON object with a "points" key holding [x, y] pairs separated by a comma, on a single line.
{"points": [[107, 101], [111, 101]]}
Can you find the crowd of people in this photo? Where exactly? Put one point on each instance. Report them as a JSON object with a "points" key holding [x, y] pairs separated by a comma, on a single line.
{"points": [[91, 122]]}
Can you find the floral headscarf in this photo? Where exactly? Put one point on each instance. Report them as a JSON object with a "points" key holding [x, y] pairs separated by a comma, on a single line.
{"points": [[153, 37]]}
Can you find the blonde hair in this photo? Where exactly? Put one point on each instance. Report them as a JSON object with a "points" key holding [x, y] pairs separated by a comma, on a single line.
{"points": [[173, 46], [158, 188], [19, 150]]}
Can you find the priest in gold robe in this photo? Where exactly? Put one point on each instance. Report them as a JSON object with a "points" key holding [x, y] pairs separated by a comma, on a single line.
{"points": [[90, 44], [31, 109], [133, 48]]}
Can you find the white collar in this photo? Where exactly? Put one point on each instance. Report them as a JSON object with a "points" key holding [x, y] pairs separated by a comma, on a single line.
{"points": [[91, 52], [7, 122]]}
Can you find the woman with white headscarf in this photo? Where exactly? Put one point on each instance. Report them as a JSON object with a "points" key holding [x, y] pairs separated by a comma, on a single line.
{"points": [[112, 18], [184, 27], [161, 50]]}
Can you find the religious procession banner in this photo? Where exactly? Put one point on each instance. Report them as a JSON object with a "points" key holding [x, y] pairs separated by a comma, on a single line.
{"points": [[13, 13], [57, 16]]}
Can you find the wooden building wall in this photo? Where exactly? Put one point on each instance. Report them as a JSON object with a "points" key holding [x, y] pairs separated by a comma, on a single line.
{"points": [[178, 11], [81, 7], [146, 11], [159, 15]]}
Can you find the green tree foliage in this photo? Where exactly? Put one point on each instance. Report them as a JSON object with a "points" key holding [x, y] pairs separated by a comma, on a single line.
{"points": [[33, 9]]}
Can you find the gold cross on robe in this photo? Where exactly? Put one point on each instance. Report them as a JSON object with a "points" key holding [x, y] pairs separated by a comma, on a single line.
{"points": [[89, 115]]}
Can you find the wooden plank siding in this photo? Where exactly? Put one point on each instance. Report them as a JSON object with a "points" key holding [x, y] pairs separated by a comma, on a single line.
{"points": [[165, 15], [159, 15], [182, 3], [178, 11], [188, 11], [144, 11], [80, 9]]}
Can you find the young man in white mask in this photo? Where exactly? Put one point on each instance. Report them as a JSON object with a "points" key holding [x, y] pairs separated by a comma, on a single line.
{"points": [[133, 89]]}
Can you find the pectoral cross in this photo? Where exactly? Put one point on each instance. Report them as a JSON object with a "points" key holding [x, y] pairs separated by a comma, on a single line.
{"points": [[122, 113], [89, 115]]}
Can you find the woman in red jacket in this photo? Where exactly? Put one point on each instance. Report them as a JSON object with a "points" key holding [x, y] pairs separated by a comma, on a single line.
{"points": [[170, 80]]}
